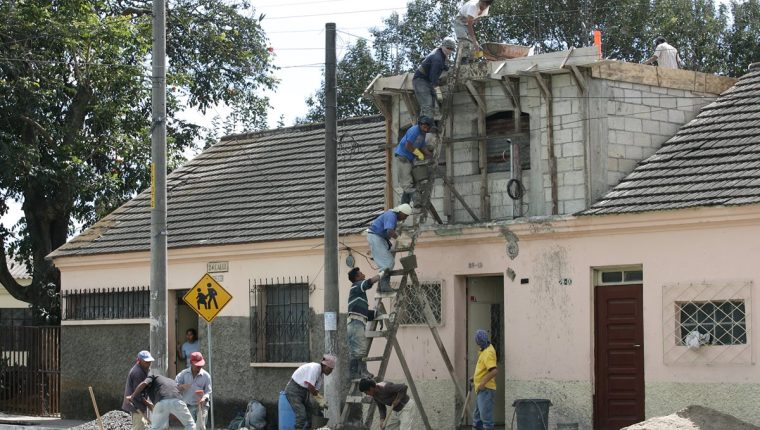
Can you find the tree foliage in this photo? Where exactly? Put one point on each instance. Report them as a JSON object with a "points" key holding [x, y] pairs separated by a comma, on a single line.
{"points": [[354, 72], [75, 109]]}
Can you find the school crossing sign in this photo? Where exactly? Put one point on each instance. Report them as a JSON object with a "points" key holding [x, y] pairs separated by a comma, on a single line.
{"points": [[207, 298]]}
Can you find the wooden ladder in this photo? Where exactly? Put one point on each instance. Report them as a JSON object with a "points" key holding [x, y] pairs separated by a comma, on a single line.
{"points": [[403, 294]]}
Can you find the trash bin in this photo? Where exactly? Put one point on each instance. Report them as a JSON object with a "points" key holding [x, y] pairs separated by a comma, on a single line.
{"points": [[532, 414]]}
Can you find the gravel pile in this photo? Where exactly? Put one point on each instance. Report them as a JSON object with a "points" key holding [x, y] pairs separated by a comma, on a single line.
{"points": [[114, 420], [694, 418]]}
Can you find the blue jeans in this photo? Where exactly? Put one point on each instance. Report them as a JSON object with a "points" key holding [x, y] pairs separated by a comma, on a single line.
{"points": [[381, 253], [482, 418], [357, 340]]}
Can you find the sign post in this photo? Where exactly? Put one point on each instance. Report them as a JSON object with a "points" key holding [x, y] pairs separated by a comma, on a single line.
{"points": [[207, 298]]}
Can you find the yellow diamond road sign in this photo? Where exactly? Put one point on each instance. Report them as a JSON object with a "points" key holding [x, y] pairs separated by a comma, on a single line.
{"points": [[207, 298]]}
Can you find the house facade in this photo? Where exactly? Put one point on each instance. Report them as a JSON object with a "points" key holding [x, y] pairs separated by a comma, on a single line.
{"points": [[562, 133]]}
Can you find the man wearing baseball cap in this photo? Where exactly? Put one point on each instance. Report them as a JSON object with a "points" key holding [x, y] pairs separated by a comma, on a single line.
{"points": [[379, 235], [137, 374], [307, 380], [195, 385]]}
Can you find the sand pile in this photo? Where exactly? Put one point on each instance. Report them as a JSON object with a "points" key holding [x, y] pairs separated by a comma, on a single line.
{"points": [[694, 418]]}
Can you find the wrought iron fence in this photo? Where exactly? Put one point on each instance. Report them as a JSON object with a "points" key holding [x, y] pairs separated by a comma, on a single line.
{"points": [[30, 370], [106, 303], [279, 320], [414, 307]]}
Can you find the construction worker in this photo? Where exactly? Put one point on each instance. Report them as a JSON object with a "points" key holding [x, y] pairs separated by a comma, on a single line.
{"points": [[137, 409], [464, 26], [665, 55], [412, 145], [484, 383], [403, 410], [358, 315], [164, 400], [379, 234], [307, 380], [195, 385], [428, 74]]}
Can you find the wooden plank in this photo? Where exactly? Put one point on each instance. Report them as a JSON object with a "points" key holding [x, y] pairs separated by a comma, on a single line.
{"points": [[410, 383], [547, 93], [450, 186], [371, 85], [485, 198], [545, 63], [479, 100], [656, 76], [580, 80], [567, 57]]}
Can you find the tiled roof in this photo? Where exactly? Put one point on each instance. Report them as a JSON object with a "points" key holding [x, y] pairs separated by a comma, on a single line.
{"points": [[254, 187], [18, 270], [714, 160]]}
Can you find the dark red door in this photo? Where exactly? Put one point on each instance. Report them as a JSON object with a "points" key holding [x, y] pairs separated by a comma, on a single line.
{"points": [[619, 353]]}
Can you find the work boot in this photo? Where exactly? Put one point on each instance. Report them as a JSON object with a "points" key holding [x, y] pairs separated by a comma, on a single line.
{"points": [[406, 197], [363, 370], [384, 286]]}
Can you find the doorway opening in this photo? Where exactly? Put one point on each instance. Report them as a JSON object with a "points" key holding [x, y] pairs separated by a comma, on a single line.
{"points": [[485, 310], [185, 319]]}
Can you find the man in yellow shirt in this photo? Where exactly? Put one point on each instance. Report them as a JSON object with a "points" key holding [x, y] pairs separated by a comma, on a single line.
{"points": [[484, 383]]}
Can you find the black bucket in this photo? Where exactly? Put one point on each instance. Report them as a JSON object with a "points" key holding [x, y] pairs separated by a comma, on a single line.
{"points": [[532, 414]]}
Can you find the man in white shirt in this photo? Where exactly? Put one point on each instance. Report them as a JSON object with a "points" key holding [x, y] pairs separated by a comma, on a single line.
{"points": [[665, 55], [464, 26], [307, 380], [195, 385]]}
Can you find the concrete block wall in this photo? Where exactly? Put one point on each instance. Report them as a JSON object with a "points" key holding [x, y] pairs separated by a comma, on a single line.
{"points": [[640, 119]]}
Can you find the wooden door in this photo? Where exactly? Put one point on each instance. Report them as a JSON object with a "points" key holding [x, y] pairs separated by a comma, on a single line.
{"points": [[619, 357]]}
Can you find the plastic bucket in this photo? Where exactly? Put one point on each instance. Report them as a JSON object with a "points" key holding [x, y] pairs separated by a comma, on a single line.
{"points": [[532, 414], [285, 415], [420, 173]]}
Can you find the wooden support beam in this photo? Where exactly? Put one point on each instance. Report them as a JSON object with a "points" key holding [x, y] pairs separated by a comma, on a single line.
{"points": [[512, 93], [485, 198], [450, 186], [580, 80], [567, 57], [411, 107], [547, 94], [371, 85], [479, 99], [410, 383]]}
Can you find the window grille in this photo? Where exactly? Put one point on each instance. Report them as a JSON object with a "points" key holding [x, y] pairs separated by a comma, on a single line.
{"points": [[707, 322], [16, 317], [279, 321], [106, 303], [724, 321], [415, 311]]}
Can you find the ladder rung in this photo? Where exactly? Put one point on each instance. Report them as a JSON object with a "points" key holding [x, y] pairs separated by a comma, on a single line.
{"points": [[378, 358], [403, 249], [382, 317], [397, 272], [354, 399], [369, 333]]}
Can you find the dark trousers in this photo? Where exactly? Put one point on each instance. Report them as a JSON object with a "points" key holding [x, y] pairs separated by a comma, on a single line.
{"points": [[298, 397]]}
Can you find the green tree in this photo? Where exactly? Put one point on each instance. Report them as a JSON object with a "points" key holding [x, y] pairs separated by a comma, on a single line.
{"points": [[354, 72], [75, 89], [743, 38]]}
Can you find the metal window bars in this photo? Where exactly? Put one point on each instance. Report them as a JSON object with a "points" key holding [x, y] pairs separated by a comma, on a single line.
{"points": [[279, 313], [724, 321], [106, 303], [414, 308]]}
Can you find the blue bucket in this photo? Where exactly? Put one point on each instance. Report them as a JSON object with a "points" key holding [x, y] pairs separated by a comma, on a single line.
{"points": [[286, 416]]}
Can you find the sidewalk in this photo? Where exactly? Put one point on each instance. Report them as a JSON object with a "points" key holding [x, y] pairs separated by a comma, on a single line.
{"points": [[20, 422]]}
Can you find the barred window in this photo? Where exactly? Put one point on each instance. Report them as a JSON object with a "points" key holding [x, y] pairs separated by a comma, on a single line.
{"points": [[106, 303], [279, 321], [723, 321], [16, 317], [415, 311]]}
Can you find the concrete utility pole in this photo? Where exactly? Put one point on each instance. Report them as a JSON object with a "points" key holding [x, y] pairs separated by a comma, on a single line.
{"points": [[158, 194], [332, 295]]}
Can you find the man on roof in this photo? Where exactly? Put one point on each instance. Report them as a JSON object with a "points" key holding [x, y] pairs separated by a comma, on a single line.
{"points": [[428, 76]]}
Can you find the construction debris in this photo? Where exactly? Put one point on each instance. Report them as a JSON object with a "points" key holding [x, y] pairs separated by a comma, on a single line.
{"points": [[114, 420], [694, 418]]}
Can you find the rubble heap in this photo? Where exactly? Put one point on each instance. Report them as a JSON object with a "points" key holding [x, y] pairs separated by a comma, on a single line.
{"points": [[694, 418]]}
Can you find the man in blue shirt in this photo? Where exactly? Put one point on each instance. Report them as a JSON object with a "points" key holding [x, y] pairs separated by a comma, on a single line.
{"points": [[379, 235], [428, 74], [358, 315], [411, 146]]}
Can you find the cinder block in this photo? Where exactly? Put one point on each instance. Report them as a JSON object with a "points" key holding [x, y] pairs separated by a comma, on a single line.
{"points": [[563, 107], [573, 178], [651, 127], [498, 185], [627, 166], [659, 115], [676, 116], [613, 178], [612, 164], [668, 101], [563, 136], [565, 164], [633, 124], [633, 97], [644, 140], [573, 206], [658, 90], [571, 120], [579, 134], [465, 169], [625, 85], [676, 92], [567, 92], [626, 137], [616, 150], [633, 152], [565, 192], [650, 99], [616, 122], [572, 149], [579, 163]]}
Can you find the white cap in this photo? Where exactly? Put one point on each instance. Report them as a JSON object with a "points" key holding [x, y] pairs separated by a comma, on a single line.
{"points": [[404, 208]]}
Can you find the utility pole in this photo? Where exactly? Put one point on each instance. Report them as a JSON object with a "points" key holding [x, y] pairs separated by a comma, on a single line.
{"points": [[332, 295], [158, 194]]}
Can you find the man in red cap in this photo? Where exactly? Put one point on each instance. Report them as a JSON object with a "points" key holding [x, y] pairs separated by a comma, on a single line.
{"points": [[307, 380], [195, 385]]}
